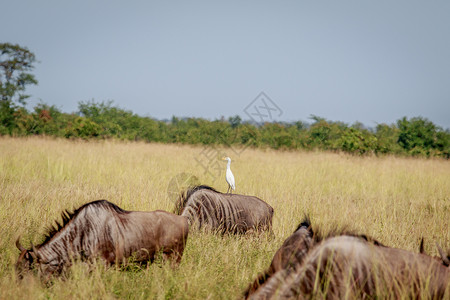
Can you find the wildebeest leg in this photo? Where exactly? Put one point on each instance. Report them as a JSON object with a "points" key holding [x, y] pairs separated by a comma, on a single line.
{"points": [[173, 256], [267, 229], [271, 234], [108, 253], [249, 232]]}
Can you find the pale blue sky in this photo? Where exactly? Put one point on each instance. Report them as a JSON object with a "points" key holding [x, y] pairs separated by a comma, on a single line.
{"points": [[367, 61]]}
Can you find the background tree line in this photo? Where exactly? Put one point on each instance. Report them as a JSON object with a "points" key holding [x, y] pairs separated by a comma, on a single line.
{"points": [[104, 120]]}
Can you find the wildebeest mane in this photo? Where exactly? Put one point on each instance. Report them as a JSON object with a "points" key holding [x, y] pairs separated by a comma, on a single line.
{"points": [[67, 216], [185, 195], [318, 235], [306, 222]]}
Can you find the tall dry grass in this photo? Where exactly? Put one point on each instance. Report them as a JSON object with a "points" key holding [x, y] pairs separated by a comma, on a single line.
{"points": [[396, 200]]}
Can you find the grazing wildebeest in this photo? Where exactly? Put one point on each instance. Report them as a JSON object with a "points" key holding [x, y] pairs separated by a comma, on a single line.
{"points": [[351, 266], [102, 229], [224, 213]]}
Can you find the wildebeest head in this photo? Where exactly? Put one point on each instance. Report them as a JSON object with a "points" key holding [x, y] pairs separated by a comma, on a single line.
{"points": [[26, 260], [30, 260]]}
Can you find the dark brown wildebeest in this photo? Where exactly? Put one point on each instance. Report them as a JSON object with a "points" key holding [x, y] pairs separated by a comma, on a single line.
{"points": [[102, 229], [224, 213], [351, 266]]}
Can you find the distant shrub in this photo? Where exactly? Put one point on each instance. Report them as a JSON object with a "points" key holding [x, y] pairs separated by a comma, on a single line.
{"points": [[419, 136], [357, 141], [387, 137], [82, 128]]}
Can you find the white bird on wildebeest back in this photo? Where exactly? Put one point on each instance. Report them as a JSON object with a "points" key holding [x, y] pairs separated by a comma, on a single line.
{"points": [[229, 176]]}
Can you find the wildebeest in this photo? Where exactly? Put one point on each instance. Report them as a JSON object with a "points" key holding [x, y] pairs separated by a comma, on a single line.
{"points": [[349, 266], [224, 213], [101, 229]]}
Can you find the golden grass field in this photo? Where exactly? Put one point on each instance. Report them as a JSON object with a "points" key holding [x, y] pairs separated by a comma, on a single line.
{"points": [[395, 200]]}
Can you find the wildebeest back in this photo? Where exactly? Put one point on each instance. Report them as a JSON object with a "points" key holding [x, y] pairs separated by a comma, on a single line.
{"points": [[232, 213]]}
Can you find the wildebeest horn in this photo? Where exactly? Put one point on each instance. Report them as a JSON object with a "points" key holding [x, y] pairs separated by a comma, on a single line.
{"points": [[421, 249], [34, 252], [444, 257], [19, 246]]}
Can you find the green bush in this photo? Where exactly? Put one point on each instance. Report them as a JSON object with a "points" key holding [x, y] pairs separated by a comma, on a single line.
{"points": [[82, 128], [357, 141], [419, 136]]}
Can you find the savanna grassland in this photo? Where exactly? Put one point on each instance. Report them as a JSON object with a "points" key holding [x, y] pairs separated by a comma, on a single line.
{"points": [[396, 200]]}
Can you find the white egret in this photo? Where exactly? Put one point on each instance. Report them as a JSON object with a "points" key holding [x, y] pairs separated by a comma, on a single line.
{"points": [[229, 176]]}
